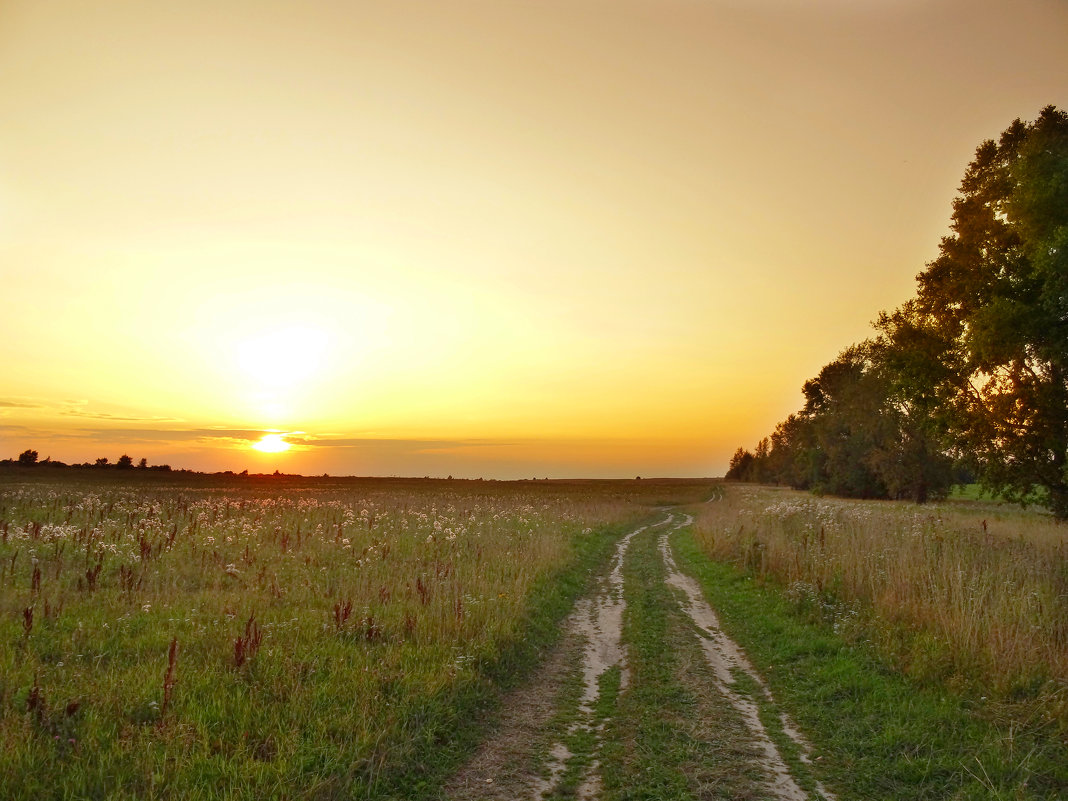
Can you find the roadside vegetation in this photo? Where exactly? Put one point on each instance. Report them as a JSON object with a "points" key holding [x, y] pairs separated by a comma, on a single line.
{"points": [[322, 641], [925, 648]]}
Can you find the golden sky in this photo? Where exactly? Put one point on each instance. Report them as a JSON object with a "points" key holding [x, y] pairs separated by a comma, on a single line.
{"points": [[500, 239]]}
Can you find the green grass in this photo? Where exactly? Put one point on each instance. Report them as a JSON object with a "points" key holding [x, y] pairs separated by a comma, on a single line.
{"points": [[656, 705], [880, 734], [455, 589], [672, 737], [969, 492], [968, 594]]}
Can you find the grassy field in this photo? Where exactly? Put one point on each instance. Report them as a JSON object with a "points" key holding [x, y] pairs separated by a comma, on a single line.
{"points": [[974, 594], [278, 639], [925, 646], [230, 637]]}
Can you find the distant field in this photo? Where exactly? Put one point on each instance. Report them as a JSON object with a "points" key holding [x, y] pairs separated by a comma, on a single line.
{"points": [[292, 638]]}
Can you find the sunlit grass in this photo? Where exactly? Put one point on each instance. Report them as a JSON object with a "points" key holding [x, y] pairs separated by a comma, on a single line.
{"points": [[326, 639], [973, 595]]}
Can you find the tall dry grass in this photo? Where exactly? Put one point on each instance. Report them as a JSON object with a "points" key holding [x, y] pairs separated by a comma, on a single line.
{"points": [[960, 592]]}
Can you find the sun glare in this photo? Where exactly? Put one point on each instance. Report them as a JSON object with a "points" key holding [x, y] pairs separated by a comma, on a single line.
{"points": [[272, 443], [284, 357]]}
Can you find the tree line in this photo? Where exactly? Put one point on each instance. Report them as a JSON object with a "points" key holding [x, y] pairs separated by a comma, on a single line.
{"points": [[969, 378], [31, 458]]}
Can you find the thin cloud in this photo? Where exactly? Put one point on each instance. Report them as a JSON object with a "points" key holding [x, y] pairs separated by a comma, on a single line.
{"points": [[117, 417], [6, 428], [414, 445], [174, 435]]}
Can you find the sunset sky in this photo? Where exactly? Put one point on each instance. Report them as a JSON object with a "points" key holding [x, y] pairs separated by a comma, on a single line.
{"points": [[500, 239]]}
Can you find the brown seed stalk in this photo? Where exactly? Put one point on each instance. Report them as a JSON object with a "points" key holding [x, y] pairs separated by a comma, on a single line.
{"points": [[168, 678]]}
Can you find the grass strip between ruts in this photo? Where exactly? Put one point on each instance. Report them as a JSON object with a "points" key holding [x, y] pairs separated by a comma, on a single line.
{"points": [[671, 738]]}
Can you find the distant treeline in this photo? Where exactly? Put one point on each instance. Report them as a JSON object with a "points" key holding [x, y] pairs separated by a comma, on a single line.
{"points": [[29, 462], [31, 458], [969, 379]]}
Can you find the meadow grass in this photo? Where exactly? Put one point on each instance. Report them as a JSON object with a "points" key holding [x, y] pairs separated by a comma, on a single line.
{"points": [[960, 592], [967, 601], [305, 640], [877, 733]]}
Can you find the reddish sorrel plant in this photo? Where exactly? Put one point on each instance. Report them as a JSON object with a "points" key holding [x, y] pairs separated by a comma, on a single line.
{"points": [[129, 580], [424, 591], [145, 546], [27, 620], [341, 613], [35, 702], [371, 630], [245, 648], [91, 575]]}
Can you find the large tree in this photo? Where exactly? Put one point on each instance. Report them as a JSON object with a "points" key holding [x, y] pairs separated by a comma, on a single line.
{"points": [[996, 297], [843, 406], [914, 452]]}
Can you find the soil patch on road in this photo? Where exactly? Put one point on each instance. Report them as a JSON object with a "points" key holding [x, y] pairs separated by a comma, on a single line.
{"points": [[507, 765]]}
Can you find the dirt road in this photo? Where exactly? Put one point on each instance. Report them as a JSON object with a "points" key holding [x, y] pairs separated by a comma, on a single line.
{"points": [[685, 713]]}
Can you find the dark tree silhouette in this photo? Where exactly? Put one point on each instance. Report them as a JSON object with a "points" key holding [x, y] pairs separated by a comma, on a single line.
{"points": [[974, 370], [997, 297]]}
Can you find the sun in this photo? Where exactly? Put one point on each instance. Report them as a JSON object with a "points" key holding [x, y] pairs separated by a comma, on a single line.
{"points": [[272, 443]]}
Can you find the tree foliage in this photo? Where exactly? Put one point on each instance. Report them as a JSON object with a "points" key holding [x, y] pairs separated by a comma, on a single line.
{"points": [[997, 297], [974, 369]]}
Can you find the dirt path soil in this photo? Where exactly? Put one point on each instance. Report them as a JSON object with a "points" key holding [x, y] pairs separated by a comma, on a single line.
{"points": [[528, 756], [506, 768], [725, 657]]}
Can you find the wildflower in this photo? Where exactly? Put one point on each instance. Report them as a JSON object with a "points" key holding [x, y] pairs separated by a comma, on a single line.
{"points": [[146, 607]]}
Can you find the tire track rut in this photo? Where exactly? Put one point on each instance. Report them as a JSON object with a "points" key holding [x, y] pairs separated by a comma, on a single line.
{"points": [[592, 645]]}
